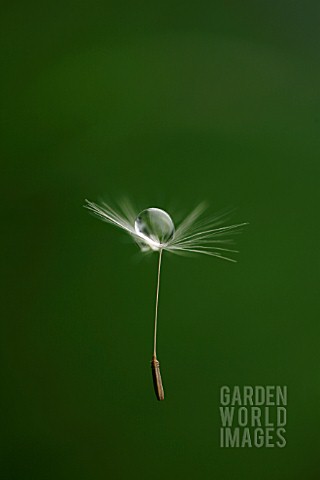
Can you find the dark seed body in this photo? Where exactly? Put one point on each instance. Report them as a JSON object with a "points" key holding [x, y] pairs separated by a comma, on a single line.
{"points": [[156, 376]]}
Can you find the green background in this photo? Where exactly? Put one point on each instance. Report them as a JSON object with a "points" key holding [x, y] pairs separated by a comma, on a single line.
{"points": [[168, 103]]}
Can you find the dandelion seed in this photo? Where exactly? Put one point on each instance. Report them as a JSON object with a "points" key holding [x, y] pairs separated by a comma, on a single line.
{"points": [[153, 230]]}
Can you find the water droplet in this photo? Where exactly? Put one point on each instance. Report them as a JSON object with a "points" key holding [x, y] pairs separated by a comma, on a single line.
{"points": [[155, 225]]}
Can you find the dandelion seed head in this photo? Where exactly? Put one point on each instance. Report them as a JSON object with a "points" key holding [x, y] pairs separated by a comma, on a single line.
{"points": [[153, 230]]}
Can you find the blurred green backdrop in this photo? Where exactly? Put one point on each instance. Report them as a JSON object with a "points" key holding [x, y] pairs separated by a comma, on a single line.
{"points": [[168, 103]]}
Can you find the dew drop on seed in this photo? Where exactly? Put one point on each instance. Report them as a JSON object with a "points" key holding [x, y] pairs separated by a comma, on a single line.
{"points": [[155, 224]]}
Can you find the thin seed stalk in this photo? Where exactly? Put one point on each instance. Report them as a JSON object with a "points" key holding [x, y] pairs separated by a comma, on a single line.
{"points": [[155, 365]]}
